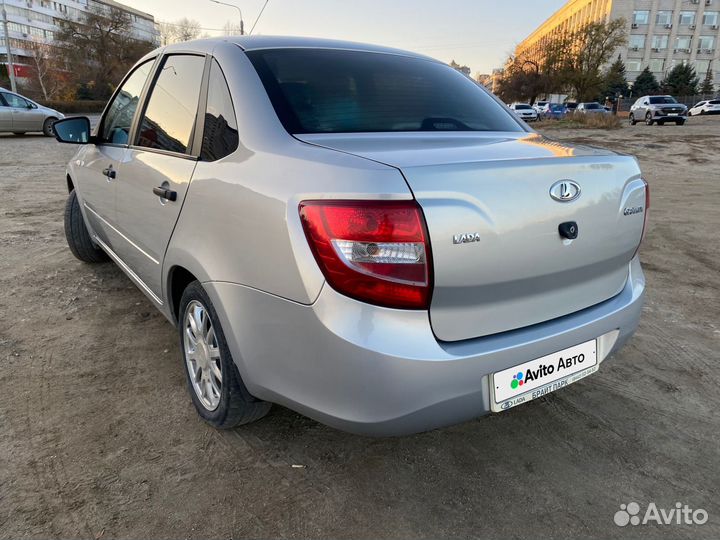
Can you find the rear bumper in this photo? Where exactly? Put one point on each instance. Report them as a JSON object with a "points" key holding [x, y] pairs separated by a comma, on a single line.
{"points": [[380, 371]]}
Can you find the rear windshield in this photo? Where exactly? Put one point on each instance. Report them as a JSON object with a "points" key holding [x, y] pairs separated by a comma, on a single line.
{"points": [[338, 91], [556, 107], [518, 107], [659, 100]]}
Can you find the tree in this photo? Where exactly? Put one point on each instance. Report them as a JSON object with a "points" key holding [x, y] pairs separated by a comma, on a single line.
{"points": [[465, 70], [681, 81], [48, 78], [589, 49], [99, 49], [522, 81], [231, 29], [186, 29], [646, 84], [615, 83], [708, 88]]}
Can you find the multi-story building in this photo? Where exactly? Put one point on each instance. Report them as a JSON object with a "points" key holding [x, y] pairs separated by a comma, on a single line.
{"points": [[661, 33], [38, 20]]}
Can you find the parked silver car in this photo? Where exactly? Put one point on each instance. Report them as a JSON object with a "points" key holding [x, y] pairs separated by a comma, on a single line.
{"points": [[330, 232], [658, 109], [20, 115]]}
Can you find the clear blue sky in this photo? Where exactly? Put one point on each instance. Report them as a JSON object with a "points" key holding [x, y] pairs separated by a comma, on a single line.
{"points": [[478, 33]]}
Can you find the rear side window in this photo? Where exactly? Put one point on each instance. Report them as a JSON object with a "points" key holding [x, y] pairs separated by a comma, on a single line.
{"points": [[333, 91], [169, 119], [117, 121], [220, 135]]}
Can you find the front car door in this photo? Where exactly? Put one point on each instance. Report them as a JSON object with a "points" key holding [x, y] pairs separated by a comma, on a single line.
{"points": [[25, 115], [96, 177], [163, 157]]}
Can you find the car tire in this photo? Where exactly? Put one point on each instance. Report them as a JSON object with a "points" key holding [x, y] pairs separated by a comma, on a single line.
{"points": [[632, 119], [223, 402], [48, 130], [648, 119], [680, 122], [77, 235]]}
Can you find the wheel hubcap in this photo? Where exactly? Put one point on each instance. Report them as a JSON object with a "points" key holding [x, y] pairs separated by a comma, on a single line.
{"points": [[202, 355]]}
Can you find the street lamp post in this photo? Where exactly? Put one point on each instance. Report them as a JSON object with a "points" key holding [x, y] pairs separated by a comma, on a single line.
{"points": [[242, 23], [10, 65]]}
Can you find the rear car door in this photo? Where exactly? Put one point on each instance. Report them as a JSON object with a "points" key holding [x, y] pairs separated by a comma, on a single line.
{"points": [[155, 175], [5, 114], [97, 177]]}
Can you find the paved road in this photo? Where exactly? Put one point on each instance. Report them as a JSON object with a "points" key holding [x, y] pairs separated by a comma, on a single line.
{"points": [[98, 435]]}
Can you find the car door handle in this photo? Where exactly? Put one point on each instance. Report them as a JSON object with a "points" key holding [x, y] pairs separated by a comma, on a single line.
{"points": [[165, 193], [110, 173]]}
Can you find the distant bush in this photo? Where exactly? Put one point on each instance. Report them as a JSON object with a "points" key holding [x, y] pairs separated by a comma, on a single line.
{"points": [[73, 107], [579, 121]]}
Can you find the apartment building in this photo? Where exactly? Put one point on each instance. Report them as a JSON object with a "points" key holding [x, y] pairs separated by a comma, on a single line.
{"points": [[662, 33], [38, 20]]}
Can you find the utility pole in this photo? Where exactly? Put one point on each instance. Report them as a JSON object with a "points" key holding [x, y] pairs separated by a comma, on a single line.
{"points": [[10, 65], [242, 22]]}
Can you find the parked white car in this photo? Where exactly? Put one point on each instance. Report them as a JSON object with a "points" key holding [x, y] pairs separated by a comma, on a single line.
{"points": [[525, 111], [541, 107], [705, 107]]}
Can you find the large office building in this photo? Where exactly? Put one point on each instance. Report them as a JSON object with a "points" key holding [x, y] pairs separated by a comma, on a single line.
{"points": [[38, 20], [661, 33]]}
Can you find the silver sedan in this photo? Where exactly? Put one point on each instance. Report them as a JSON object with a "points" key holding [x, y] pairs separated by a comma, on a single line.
{"points": [[360, 234], [19, 115]]}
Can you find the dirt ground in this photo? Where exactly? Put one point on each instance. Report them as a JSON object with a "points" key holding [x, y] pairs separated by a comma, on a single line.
{"points": [[98, 437]]}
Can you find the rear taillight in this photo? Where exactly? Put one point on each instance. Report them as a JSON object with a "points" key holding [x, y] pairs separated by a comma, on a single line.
{"points": [[374, 251]]}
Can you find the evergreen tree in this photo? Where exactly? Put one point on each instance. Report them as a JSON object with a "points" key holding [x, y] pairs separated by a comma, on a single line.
{"points": [[646, 84], [707, 85], [615, 83], [681, 81]]}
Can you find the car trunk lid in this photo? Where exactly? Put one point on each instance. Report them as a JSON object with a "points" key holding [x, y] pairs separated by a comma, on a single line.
{"points": [[499, 260]]}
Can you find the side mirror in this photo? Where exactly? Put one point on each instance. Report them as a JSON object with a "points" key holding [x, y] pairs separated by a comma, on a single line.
{"points": [[30, 106], [75, 130], [646, 103]]}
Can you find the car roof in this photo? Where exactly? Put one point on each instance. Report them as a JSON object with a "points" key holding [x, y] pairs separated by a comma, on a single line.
{"points": [[254, 43]]}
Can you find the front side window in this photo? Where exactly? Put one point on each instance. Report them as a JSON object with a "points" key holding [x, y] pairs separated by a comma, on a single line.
{"points": [[220, 135], [663, 17], [171, 112], [117, 121], [16, 101], [687, 17], [641, 17], [340, 91]]}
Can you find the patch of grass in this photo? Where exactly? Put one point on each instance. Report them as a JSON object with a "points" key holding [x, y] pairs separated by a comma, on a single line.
{"points": [[583, 121]]}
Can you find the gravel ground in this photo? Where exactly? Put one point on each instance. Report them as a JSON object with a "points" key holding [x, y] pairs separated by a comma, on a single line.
{"points": [[98, 436]]}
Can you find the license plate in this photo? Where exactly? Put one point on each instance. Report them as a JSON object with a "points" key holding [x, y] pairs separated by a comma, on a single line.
{"points": [[673, 114], [534, 379]]}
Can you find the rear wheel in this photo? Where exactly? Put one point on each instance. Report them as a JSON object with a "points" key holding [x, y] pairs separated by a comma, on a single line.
{"points": [[48, 130], [77, 235], [648, 119], [217, 390]]}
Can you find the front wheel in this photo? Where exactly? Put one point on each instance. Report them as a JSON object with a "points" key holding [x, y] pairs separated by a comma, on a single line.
{"points": [[217, 390], [48, 130], [632, 119], [648, 119], [77, 235], [681, 122]]}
